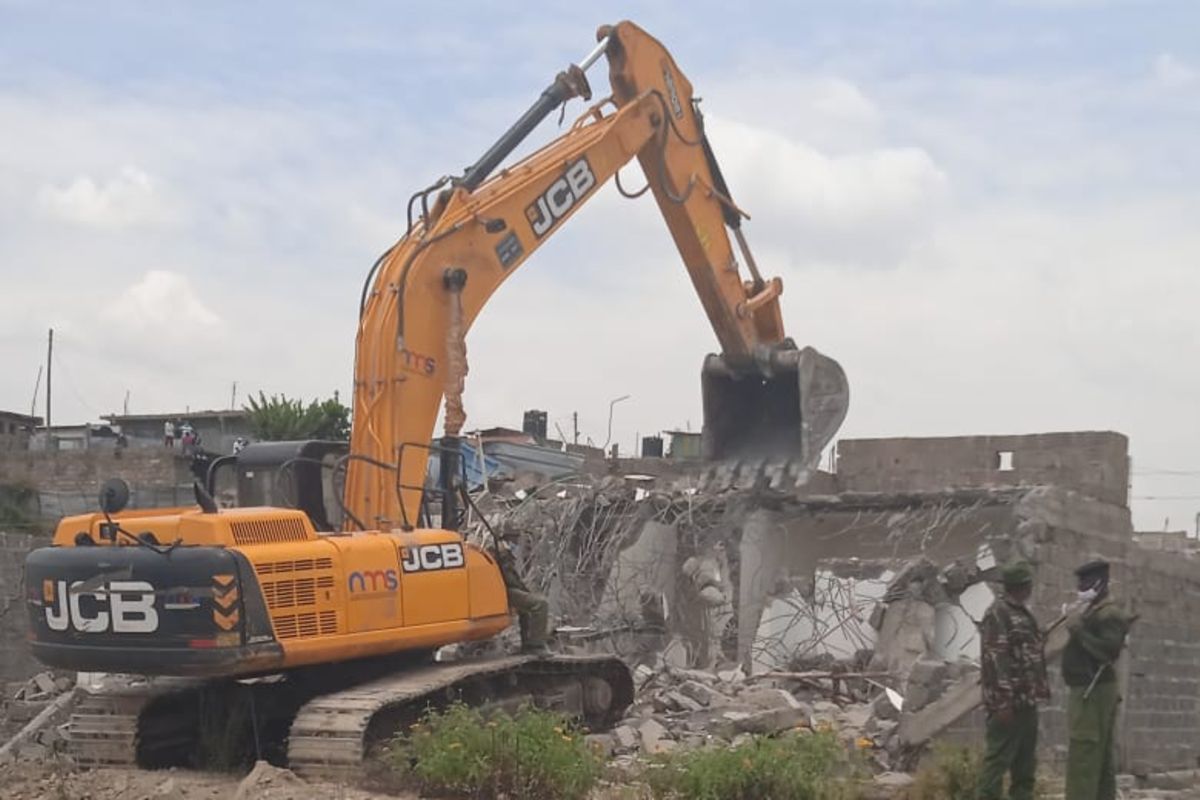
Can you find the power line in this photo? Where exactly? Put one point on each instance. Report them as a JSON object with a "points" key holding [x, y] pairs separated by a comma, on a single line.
{"points": [[1167, 497], [71, 383]]}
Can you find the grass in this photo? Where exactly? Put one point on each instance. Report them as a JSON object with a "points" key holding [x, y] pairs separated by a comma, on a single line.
{"points": [[950, 773], [533, 755], [798, 766]]}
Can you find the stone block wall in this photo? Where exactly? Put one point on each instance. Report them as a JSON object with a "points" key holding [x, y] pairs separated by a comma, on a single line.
{"points": [[1093, 463], [83, 471], [16, 661]]}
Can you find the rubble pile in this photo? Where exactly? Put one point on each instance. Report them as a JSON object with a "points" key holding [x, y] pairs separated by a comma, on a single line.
{"points": [[33, 714], [882, 649], [687, 708]]}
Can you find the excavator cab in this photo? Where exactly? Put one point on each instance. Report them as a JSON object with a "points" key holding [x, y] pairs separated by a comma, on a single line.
{"points": [[786, 407], [297, 474]]}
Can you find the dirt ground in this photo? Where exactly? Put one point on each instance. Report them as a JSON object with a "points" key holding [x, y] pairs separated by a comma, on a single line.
{"points": [[51, 781]]}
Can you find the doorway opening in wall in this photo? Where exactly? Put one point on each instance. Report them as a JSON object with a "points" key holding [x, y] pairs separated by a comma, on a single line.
{"points": [[1004, 460]]}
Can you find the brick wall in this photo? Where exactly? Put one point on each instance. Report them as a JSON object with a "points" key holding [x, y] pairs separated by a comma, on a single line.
{"points": [[1093, 463], [84, 470]]}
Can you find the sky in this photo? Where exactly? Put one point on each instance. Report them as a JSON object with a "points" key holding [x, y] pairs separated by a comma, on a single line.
{"points": [[985, 210]]}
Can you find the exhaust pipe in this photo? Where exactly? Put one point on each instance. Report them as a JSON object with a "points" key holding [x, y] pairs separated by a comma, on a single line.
{"points": [[789, 407]]}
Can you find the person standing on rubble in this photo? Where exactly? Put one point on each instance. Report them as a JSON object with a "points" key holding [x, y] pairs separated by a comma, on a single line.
{"points": [[533, 612], [1014, 683], [1097, 635]]}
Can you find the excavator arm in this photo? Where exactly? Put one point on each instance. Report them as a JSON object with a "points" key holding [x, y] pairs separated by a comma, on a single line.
{"points": [[472, 232]]}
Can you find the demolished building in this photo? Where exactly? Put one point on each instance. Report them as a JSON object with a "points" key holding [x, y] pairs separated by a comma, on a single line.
{"points": [[881, 569], [856, 590]]}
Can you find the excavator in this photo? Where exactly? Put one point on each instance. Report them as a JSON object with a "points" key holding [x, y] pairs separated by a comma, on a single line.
{"points": [[321, 599]]}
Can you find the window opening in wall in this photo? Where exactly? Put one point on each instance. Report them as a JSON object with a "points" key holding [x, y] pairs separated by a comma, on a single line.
{"points": [[1004, 460]]}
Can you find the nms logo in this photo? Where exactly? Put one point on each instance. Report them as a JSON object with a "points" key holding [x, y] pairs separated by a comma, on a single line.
{"points": [[374, 581]]}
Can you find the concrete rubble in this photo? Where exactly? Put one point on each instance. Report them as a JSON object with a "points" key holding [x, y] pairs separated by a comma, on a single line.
{"points": [[34, 717]]}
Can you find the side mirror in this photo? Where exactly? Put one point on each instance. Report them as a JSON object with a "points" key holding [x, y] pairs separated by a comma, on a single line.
{"points": [[114, 495]]}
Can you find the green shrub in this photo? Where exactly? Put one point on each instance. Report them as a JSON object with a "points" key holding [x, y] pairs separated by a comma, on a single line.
{"points": [[950, 773], [534, 755], [800, 766]]}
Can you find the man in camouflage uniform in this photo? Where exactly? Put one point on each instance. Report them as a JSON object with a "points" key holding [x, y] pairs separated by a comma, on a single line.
{"points": [[1014, 682], [1097, 635], [533, 612]]}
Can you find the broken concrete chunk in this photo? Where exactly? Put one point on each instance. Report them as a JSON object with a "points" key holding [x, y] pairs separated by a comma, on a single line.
{"points": [[45, 683], [681, 702], [882, 707], [762, 698], [926, 681], [769, 721], [735, 675], [703, 694], [654, 737], [626, 738], [855, 718]]}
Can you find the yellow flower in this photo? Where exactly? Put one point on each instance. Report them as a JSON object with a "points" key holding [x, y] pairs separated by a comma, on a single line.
{"points": [[454, 745], [567, 739], [558, 730], [863, 743]]}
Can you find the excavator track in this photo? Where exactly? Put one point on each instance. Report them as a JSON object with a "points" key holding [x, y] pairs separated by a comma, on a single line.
{"points": [[333, 734], [105, 729]]}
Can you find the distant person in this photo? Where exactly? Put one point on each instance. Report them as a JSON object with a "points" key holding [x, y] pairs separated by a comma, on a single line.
{"points": [[239, 444], [1014, 682], [168, 434], [188, 440]]}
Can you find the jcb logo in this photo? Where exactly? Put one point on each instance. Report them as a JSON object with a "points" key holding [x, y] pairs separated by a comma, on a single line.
{"points": [[560, 197], [433, 557], [122, 607]]}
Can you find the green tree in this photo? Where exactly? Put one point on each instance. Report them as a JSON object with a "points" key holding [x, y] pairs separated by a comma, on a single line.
{"points": [[280, 418]]}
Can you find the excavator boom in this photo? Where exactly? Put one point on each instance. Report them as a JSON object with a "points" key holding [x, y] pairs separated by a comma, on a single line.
{"points": [[762, 396]]}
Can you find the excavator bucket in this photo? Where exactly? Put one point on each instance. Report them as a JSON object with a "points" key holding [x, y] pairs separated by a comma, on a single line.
{"points": [[788, 410]]}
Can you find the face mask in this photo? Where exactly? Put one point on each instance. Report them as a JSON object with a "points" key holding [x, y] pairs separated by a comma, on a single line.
{"points": [[1088, 595]]}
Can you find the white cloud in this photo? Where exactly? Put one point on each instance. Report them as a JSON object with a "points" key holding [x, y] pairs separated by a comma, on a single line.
{"points": [[1052, 293], [129, 199], [819, 205], [161, 301], [1173, 73]]}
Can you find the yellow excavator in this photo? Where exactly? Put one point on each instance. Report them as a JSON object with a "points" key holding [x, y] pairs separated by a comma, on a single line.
{"points": [[323, 595]]}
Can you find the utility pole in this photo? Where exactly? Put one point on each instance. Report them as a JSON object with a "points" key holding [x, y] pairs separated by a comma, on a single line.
{"points": [[233, 397], [49, 356], [575, 422], [125, 407]]}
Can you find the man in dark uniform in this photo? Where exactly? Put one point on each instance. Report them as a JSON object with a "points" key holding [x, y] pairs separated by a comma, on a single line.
{"points": [[1014, 682], [533, 612], [1097, 635]]}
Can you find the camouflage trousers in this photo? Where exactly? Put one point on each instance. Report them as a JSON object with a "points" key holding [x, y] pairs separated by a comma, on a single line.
{"points": [[1011, 749], [533, 615]]}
